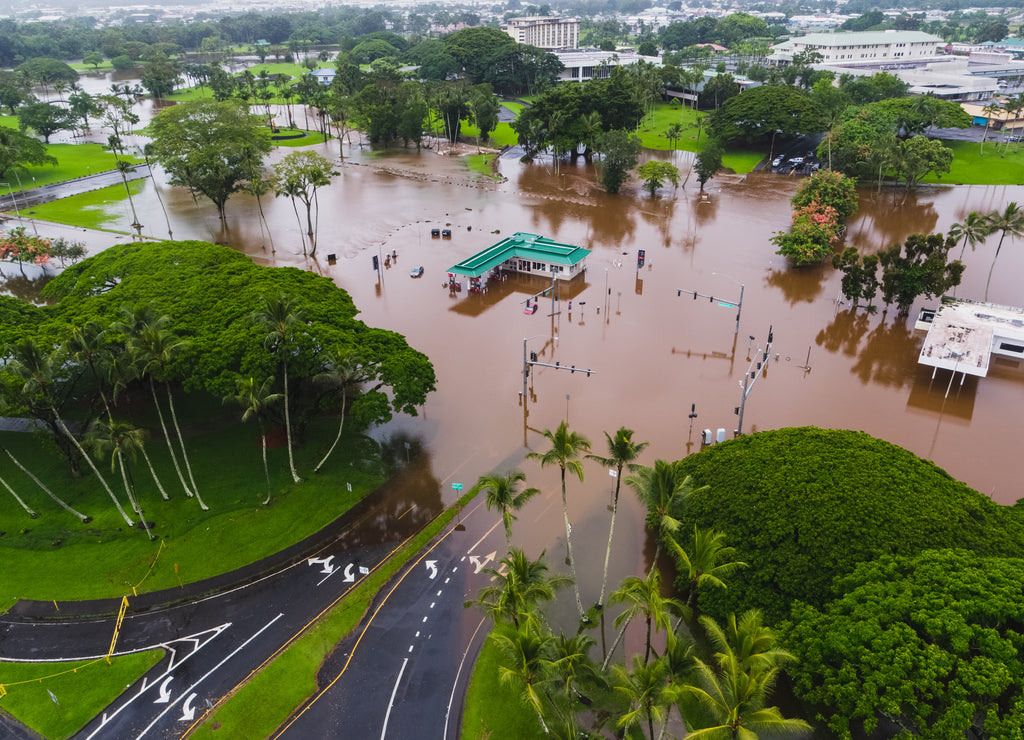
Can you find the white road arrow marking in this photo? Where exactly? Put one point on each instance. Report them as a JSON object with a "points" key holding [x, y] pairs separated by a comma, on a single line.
{"points": [[480, 565], [165, 693], [432, 567], [188, 712], [349, 575], [326, 562]]}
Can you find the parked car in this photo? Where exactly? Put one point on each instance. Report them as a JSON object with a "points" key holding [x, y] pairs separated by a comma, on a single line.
{"points": [[777, 162], [796, 161], [416, 271]]}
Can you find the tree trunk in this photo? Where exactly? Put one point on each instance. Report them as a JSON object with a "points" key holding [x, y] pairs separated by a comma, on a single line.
{"points": [[159, 486], [993, 267], [611, 531], [131, 497], [167, 438], [88, 460], [32, 514], [611, 651], [184, 453], [288, 427], [337, 437], [568, 544], [85, 519]]}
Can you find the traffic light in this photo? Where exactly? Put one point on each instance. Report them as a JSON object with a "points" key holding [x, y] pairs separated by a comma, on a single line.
{"points": [[572, 370], [376, 263], [640, 256], [533, 357], [588, 372]]}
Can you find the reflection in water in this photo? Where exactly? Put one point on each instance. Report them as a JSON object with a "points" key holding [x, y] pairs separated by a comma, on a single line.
{"points": [[890, 354], [880, 222], [844, 333], [798, 284], [26, 287]]}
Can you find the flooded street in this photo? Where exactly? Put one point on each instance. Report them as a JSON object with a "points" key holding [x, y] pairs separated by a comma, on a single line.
{"points": [[653, 353]]}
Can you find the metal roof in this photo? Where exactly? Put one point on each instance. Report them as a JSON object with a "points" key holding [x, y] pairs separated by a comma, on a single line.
{"points": [[861, 38], [520, 245], [962, 333]]}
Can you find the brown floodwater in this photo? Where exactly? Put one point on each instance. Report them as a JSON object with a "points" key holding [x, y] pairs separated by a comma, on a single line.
{"points": [[653, 353]]}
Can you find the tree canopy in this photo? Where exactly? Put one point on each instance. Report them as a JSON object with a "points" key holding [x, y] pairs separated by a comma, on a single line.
{"points": [[805, 505], [929, 643], [761, 112], [210, 146], [215, 290], [18, 149]]}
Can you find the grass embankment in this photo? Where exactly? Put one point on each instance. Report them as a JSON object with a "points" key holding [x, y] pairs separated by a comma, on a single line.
{"points": [[73, 161], [92, 210], [237, 529], [503, 135], [269, 697], [310, 137], [492, 711], [996, 166], [58, 699], [482, 164]]}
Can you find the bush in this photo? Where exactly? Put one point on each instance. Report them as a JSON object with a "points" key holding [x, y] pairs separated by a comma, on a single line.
{"points": [[829, 189], [810, 240]]}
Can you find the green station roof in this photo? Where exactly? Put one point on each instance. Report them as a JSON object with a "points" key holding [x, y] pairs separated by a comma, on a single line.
{"points": [[522, 246]]}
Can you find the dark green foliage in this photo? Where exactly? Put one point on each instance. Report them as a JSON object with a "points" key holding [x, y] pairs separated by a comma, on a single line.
{"points": [[918, 267], [620, 151], [828, 189], [709, 162], [932, 640], [18, 149], [805, 505], [756, 115], [215, 292]]}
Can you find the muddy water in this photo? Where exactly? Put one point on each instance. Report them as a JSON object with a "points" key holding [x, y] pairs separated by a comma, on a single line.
{"points": [[653, 353]]}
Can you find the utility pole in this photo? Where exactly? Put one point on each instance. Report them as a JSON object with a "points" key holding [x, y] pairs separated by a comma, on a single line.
{"points": [[758, 367]]}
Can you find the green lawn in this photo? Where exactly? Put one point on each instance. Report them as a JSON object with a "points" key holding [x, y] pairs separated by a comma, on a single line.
{"points": [[503, 135], [73, 161], [236, 531], [492, 711], [480, 163], [311, 137], [9, 121], [267, 700], [996, 166], [82, 690], [92, 210], [105, 66]]}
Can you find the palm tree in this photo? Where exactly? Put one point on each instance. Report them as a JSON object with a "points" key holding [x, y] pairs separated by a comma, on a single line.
{"points": [[28, 510], [38, 370], [566, 448], [156, 347], [989, 110], [345, 370], [85, 519], [255, 398], [622, 451], [662, 489], [279, 316], [514, 594], [502, 495], [644, 690], [642, 597], [1010, 221], [705, 567], [745, 644], [525, 655], [121, 440], [974, 228]]}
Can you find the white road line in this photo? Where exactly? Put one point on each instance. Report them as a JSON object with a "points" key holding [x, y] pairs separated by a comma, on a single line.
{"points": [[446, 580], [432, 604], [394, 691], [206, 675], [484, 537], [458, 673], [424, 619], [439, 592]]}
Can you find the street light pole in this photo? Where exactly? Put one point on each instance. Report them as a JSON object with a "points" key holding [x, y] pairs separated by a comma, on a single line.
{"points": [[739, 306]]}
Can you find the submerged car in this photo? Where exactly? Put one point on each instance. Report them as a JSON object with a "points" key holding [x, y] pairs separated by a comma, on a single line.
{"points": [[416, 271]]}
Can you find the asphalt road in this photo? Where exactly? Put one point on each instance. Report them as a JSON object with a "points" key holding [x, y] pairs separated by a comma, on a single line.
{"points": [[15, 202], [414, 647]]}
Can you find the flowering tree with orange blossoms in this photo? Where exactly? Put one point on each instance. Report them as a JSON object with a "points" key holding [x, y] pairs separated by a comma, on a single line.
{"points": [[17, 246]]}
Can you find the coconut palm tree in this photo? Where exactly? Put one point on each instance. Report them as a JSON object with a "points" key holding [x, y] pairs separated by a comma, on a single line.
{"points": [[85, 519], [974, 228], [37, 370], [514, 595], [989, 110], [525, 657], [642, 597], [1010, 221], [662, 489], [709, 563], [120, 439], [156, 347], [622, 451], [255, 398], [566, 449], [645, 694], [28, 510], [745, 644], [345, 370], [502, 494], [278, 316]]}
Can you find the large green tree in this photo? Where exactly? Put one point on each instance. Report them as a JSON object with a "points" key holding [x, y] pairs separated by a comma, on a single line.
{"points": [[210, 147], [620, 151], [46, 119], [300, 175], [929, 643], [758, 114], [18, 150]]}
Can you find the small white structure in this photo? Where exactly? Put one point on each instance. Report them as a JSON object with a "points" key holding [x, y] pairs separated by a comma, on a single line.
{"points": [[325, 75], [585, 65], [964, 334]]}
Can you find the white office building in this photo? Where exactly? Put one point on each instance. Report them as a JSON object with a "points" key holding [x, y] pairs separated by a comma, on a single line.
{"points": [[863, 47], [545, 32]]}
